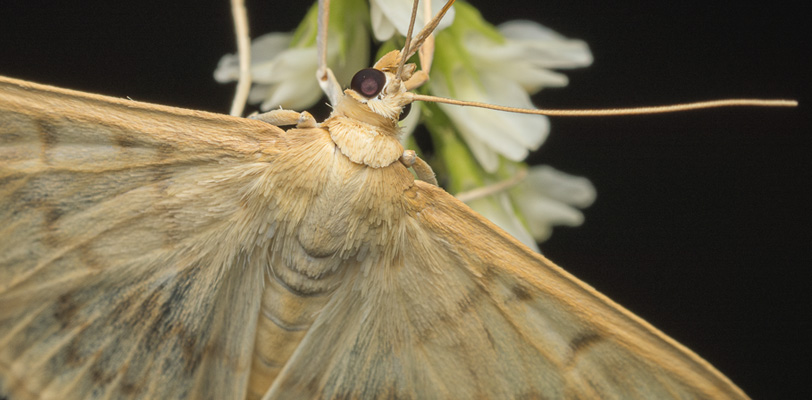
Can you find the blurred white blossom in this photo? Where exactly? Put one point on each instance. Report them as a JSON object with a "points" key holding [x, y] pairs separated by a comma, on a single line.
{"points": [[548, 197], [498, 209], [545, 198], [282, 76], [284, 64], [502, 68], [389, 16]]}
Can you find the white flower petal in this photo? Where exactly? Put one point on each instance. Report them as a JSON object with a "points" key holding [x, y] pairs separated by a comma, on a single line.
{"points": [[527, 55], [228, 69], [285, 76], [533, 79], [482, 151], [397, 14], [483, 136], [485, 126], [293, 94], [498, 210], [522, 29], [548, 197], [286, 80], [511, 135], [259, 93], [267, 46], [382, 27], [548, 181], [504, 73], [528, 130], [263, 51], [544, 214], [545, 47], [300, 61]]}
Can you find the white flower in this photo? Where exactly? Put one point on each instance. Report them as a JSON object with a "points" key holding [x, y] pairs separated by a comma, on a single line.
{"points": [[282, 76], [545, 198], [548, 197], [529, 52], [284, 73], [505, 73], [489, 133], [498, 209], [391, 15]]}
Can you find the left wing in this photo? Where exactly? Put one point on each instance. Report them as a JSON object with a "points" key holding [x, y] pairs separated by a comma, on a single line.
{"points": [[130, 264], [461, 310]]}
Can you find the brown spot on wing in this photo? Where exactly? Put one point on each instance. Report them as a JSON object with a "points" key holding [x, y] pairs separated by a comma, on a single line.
{"points": [[313, 385], [521, 292], [52, 214], [165, 151], [66, 309], [530, 396], [584, 341], [73, 356], [190, 348], [124, 141], [48, 138], [99, 376], [90, 259], [129, 389]]}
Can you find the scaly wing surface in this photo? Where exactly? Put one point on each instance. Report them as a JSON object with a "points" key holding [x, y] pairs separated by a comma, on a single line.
{"points": [[461, 310], [132, 247]]}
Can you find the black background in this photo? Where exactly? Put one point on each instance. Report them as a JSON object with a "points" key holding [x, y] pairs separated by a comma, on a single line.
{"points": [[700, 225]]}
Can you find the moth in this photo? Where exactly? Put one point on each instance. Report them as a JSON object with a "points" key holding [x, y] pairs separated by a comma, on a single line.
{"points": [[156, 252]]}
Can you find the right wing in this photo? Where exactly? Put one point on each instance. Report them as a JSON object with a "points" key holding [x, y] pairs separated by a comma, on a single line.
{"points": [[455, 308]]}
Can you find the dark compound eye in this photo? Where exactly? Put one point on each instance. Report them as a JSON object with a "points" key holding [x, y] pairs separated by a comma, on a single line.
{"points": [[405, 111], [368, 82]]}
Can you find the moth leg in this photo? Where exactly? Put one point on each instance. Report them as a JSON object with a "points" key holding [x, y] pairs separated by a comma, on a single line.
{"points": [[302, 120], [420, 167], [306, 121], [327, 80]]}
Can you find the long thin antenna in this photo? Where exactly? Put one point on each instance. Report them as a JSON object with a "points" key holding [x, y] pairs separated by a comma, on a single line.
{"points": [[615, 111], [426, 31], [408, 40]]}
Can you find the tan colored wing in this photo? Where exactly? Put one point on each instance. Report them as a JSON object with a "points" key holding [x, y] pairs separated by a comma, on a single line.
{"points": [[460, 310], [130, 252]]}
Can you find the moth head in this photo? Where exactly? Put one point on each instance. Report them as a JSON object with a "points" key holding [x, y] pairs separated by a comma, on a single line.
{"points": [[381, 94], [379, 91]]}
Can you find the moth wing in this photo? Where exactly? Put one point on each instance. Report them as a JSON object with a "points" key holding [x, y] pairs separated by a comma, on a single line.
{"points": [[123, 272], [462, 310]]}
